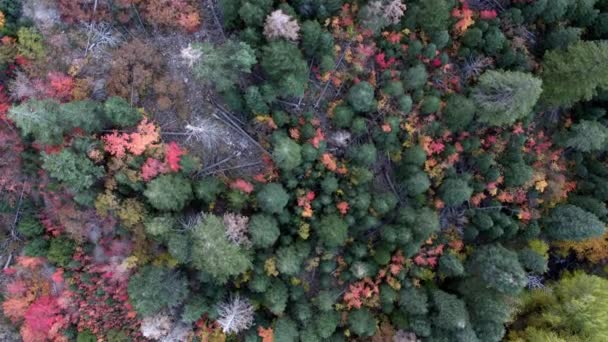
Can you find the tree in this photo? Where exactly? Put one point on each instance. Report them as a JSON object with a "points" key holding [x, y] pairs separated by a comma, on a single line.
{"points": [[286, 330], [587, 136], [579, 67], [572, 310], [315, 41], [503, 97], [287, 154], [459, 112], [361, 97], [284, 64], [415, 77], [450, 311], [40, 119], [362, 322], [569, 222], [264, 230], [332, 231], [222, 65], [235, 315], [213, 253], [120, 113], [76, 171], [498, 268], [272, 198], [30, 43], [154, 288], [168, 192], [280, 25], [455, 191]]}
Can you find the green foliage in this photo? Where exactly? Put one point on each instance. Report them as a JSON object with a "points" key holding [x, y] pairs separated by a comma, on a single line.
{"points": [[587, 136], [222, 258], [326, 323], [154, 288], [430, 104], [450, 311], [287, 154], [362, 322], [503, 97], [361, 97], [517, 173], [222, 65], [61, 250], [290, 258], [455, 191], [434, 15], [332, 231], [286, 330], [208, 189], [363, 155], [76, 171], [30, 43], [343, 116], [86, 336], [459, 112], [272, 198], [562, 37], [450, 265], [168, 192], [264, 230], [413, 301], [415, 77], [30, 227], [498, 268], [275, 298], [579, 67], [284, 64], [120, 113], [315, 41], [416, 184], [569, 222], [573, 310]]}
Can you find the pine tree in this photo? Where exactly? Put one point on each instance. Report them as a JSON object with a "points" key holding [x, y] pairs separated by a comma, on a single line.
{"points": [[76, 171], [575, 74], [503, 97], [498, 268], [284, 64], [213, 253], [154, 288], [569, 222], [168, 192]]}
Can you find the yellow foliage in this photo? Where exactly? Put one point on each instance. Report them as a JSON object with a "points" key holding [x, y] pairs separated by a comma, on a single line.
{"points": [[131, 212], [595, 250], [270, 267], [1, 20], [106, 202], [304, 231]]}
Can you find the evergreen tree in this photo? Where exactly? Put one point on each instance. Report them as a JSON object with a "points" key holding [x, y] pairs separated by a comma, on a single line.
{"points": [[284, 64], [569, 222], [332, 231], [287, 154], [498, 268], [76, 171], [587, 136], [154, 288], [169, 192], [575, 74], [503, 97], [222, 65], [213, 253], [264, 230], [455, 191], [272, 198], [361, 97], [120, 113]]}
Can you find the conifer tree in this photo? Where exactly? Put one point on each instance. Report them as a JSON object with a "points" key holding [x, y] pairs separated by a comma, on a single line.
{"points": [[575, 74]]}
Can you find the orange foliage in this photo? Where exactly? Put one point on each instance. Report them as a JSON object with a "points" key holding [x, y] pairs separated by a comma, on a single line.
{"points": [[466, 18], [329, 162], [266, 334], [117, 144], [595, 250]]}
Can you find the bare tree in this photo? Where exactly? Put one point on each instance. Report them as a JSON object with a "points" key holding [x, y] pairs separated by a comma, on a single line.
{"points": [[101, 36], [235, 315], [280, 25]]}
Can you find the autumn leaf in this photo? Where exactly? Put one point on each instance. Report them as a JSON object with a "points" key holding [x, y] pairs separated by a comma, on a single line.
{"points": [[343, 207], [541, 185], [329, 162], [466, 18], [173, 155], [242, 185], [266, 334]]}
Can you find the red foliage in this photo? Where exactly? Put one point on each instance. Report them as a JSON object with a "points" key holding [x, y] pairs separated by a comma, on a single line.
{"points": [[487, 14], [343, 207], [152, 168], [101, 297], [61, 86], [118, 144], [43, 319], [361, 292], [242, 185], [383, 63], [173, 154]]}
